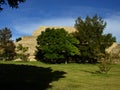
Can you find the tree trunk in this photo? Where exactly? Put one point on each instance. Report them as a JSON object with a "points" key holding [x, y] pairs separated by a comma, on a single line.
{"points": [[66, 61]]}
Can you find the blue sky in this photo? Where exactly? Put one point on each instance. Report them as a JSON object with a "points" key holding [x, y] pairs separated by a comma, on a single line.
{"points": [[34, 13]]}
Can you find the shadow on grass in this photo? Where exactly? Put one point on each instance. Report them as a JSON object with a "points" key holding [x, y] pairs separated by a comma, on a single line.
{"points": [[98, 73], [24, 77], [92, 72]]}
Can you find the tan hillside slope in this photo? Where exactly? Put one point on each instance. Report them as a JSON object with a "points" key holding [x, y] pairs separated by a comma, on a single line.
{"points": [[114, 52], [42, 28]]}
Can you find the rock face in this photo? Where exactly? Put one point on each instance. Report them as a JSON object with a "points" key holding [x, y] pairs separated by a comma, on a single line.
{"points": [[42, 28], [30, 41], [110, 49], [114, 52]]}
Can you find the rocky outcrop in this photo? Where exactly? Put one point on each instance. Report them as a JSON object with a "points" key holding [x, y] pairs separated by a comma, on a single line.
{"points": [[42, 28], [30, 42], [111, 49], [114, 52]]}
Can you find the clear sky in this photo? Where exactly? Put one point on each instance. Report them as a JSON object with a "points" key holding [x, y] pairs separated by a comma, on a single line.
{"points": [[34, 13]]}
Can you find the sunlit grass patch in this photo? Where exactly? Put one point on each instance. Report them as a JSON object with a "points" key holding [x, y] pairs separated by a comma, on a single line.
{"points": [[75, 76]]}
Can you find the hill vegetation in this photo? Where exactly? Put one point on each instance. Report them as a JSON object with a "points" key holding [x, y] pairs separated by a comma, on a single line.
{"points": [[87, 44], [89, 47]]}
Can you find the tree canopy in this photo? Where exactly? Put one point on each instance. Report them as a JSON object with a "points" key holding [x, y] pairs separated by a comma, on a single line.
{"points": [[11, 3], [5, 36], [92, 40], [57, 45]]}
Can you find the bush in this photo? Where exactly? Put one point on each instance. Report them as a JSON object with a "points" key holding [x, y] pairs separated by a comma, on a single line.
{"points": [[105, 64], [22, 57], [22, 52], [18, 39]]}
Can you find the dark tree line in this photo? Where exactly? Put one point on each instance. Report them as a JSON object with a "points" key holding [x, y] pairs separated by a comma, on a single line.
{"points": [[87, 44]]}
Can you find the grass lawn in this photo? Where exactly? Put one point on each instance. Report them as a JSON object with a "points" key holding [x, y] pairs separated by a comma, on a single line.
{"points": [[40, 76]]}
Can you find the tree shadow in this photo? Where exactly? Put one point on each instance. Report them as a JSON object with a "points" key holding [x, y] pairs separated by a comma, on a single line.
{"points": [[91, 72], [24, 77]]}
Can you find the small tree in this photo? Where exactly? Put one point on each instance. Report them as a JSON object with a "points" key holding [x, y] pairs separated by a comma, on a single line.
{"points": [[105, 63], [22, 52], [6, 44], [57, 45]]}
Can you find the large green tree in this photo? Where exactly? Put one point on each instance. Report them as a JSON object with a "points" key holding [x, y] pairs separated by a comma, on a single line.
{"points": [[56, 45], [11, 3], [7, 47], [92, 40]]}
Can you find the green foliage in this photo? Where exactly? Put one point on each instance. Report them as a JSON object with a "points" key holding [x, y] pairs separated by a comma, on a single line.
{"points": [[18, 39], [5, 36], [57, 44], [92, 40], [21, 48], [22, 52], [105, 64], [11, 3], [7, 47]]}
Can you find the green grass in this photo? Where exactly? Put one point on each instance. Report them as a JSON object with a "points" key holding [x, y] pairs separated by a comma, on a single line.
{"points": [[40, 76]]}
